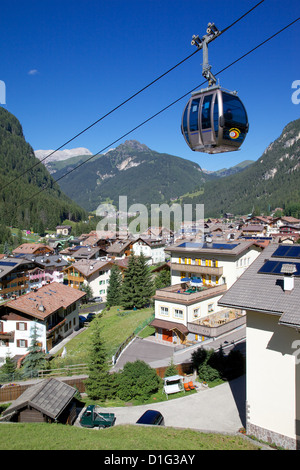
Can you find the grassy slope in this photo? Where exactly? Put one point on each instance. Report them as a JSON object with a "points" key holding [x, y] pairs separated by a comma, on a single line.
{"points": [[40, 436]]}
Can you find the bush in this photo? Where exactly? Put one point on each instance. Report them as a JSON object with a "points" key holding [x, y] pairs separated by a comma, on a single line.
{"points": [[212, 365], [137, 381], [208, 373]]}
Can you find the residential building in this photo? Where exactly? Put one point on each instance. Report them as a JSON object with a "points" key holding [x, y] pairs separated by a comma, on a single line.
{"points": [[63, 230], [48, 268], [53, 309], [95, 273], [269, 293], [36, 249], [152, 248], [254, 230], [120, 248], [212, 263], [188, 310], [14, 276]]}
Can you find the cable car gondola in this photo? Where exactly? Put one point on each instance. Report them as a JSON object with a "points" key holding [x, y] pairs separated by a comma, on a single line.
{"points": [[214, 119]]}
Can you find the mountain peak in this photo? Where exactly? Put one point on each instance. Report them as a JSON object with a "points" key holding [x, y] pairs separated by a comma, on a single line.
{"points": [[132, 145]]}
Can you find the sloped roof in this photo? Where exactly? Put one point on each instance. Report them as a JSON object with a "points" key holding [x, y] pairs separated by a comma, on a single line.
{"points": [[50, 396], [87, 267], [264, 292], [46, 300], [30, 248]]}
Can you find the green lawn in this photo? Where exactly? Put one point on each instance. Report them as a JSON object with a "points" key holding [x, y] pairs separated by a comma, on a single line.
{"points": [[41, 436], [116, 328]]}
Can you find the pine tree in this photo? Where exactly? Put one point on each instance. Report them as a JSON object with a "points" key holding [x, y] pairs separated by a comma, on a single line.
{"points": [[128, 292], [138, 286], [8, 369], [36, 358], [114, 289], [144, 282], [99, 383]]}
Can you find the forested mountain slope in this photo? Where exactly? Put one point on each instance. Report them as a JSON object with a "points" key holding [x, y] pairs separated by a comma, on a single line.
{"points": [[32, 199], [272, 181]]}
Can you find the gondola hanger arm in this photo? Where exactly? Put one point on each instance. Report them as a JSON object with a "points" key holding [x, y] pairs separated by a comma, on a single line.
{"points": [[212, 32]]}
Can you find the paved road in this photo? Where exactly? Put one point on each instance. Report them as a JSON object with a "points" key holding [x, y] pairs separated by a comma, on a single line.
{"points": [[220, 409], [158, 355]]}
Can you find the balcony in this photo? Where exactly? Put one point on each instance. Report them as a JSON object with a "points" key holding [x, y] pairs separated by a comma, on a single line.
{"points": [[9, 336], [218, 323], [196, 269], [180, 293]]}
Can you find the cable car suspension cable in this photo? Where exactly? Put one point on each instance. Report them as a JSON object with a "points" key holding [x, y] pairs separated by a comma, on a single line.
{"points": [[162, 110], [124, 102]]}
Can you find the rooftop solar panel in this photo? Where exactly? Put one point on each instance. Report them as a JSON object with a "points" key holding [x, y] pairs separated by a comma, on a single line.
{"points": [[214, 246], [287, 251], [7, 263], [274, 267]]}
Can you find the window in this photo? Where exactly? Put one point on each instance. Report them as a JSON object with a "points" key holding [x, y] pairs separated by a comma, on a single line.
{"points": [[164, 311], [196, 312], [178, 313], [206, 121], [21, 326], [210, 308], [194, 115], [22, 343]]}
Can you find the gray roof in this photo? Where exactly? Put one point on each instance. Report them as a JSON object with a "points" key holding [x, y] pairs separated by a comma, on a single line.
{"points": [[232, 248], [9, 264], [53, 261], [264, 292], [49, 396]]}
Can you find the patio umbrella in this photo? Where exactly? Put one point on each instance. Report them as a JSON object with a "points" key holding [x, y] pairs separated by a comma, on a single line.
{"points": [[196, 282]]}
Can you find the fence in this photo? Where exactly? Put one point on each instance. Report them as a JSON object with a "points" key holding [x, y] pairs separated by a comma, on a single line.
{"points": [[75, 369], [11, 392]]}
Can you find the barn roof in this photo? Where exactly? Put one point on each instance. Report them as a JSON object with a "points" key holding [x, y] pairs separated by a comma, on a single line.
{"points": [[50, 396]]}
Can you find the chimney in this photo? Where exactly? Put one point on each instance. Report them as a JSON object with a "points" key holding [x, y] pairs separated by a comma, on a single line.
{"points": [[288, 279]]}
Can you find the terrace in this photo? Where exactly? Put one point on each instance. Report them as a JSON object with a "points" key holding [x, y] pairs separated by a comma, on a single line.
{"points": [[218, 323], [189, 292]]}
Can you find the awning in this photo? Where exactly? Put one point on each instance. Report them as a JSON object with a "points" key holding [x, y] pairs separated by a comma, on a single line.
{"points": [[185, 279], [169, 325]]}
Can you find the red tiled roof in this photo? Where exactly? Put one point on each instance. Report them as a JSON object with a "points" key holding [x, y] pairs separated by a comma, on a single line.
{"points": [[30, 248], [46, 300]]}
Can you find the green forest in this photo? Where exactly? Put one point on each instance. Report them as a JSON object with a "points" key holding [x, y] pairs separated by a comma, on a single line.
{"points": [[29, 199], [271, 182]]}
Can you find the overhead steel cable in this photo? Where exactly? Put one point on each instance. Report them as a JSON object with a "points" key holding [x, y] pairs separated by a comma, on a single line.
{"points": [[164, 109], [124, 102]]}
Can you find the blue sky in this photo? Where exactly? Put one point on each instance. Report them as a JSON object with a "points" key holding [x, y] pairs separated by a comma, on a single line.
{"points": [[65, 63]]}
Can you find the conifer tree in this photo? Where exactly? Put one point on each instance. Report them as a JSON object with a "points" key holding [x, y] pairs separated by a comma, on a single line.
{"points": [[36, 358], [128, 293], [114, 289], [145, 284], [99, 383], [8, 369]]}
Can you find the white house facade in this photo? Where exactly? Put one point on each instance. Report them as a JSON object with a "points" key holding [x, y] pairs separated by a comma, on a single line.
{"points": [[52, 309], [269, 292], [152, 249], [188, 310]]}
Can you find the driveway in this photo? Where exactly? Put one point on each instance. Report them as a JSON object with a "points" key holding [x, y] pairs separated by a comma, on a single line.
{"points": [[220, 409]]}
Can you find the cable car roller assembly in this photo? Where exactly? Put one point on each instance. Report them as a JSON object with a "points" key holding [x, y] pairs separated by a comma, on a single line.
{"points": [[214, 119]]}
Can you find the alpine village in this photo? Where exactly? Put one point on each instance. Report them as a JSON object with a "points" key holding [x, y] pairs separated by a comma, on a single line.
{"points": [[149, 298]]}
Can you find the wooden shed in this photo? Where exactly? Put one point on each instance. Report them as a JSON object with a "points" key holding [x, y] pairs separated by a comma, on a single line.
{"points": [[48, 401]]}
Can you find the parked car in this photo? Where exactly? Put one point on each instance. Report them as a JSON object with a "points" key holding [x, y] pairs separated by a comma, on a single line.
{"points": [[92, 417], [90, 316], [96, 299], [82, 320], [151, 417]]}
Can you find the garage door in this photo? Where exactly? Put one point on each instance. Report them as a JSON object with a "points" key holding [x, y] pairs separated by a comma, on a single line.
{"points": [[167, 335]]}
